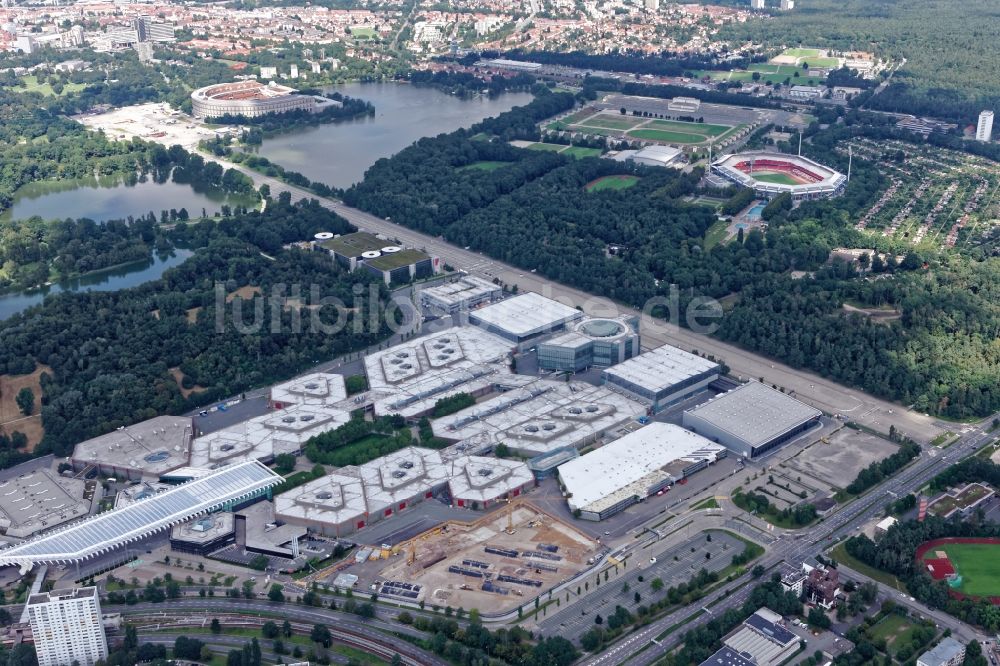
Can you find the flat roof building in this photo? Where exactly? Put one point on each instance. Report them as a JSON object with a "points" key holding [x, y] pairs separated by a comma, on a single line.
{"points": [[662, 376], [751, 419], [524, 319], [362, 250], [146, 449], [660, 156], [591, 342], [66, 627], [317, 389], [409, 378], [334, 505], [266, 436], [765, 638], [110, 530], [461, 295], [39, 500], [626, 471], [949, 652], [403, 478], [478, 482], [542, 416], [727, 656], [204, 535]]}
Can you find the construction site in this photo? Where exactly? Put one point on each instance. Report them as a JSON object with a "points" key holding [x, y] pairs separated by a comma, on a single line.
{"points": [[497, 562]]}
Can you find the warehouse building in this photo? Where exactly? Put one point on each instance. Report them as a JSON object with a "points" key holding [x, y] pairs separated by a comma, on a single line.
{"points": [[628, 470], [204, 535], [658, 156], [318, 389], [525, 319], [591, 342], [403, 478], [333, 505], [39, 500], [266, 436], [541, 416], [751, 419], [409, 378], [948, 652], [362, 250], [459, 295], [765, 638], [147, 449], [661, 377]]}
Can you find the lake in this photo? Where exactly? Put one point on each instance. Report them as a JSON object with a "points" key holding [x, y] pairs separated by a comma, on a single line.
{"points": [[114, 197], [111, 279], [338, 154]]}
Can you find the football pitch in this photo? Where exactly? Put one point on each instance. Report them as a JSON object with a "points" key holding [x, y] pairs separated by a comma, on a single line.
{"points": [[777, 178], [611, 183], [977, 563], [667, 136]]}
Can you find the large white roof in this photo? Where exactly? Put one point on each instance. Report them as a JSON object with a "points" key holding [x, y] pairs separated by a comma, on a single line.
{"points": [[754, 413], [661, 368], [608, 471], [106, 531], [526, 314]]}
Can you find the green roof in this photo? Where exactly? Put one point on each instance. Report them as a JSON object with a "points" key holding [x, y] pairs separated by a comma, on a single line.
{"points": [[390, 261], [352, 245]]}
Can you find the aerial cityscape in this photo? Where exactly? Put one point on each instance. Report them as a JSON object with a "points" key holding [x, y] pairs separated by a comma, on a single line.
{"points": [[499, 333]]}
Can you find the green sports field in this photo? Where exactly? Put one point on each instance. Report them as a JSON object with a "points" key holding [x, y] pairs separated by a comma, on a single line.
{"points": [[688, 128], [977, 563], [548, 147], [801, 53], [612, 122], [777, 178], [581, 151], [611, 183], [667, 136], [364, 33]]}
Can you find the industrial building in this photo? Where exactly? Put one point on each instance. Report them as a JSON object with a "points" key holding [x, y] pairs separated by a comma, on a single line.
{"points": [[409, 378], [459, 295], [361, 250], [317, 389], [524, 319], [541, 416], [726, 656], [252, 99], [751, 419], [266, 436], [146, 449], [66, 627], [626, 471], [334, 505], [39, 500], [403, 478], [659, 156], [591, 342], [661, 377], [204, 535], [478, 482], [764, 638], [222, 489], [949, 652]]}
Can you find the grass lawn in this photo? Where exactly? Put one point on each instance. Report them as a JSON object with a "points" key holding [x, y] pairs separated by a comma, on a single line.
{"points": [[716, 234], [977, 564], [32, 85], [484, 165], [611, 183], [550, 147], [581, 151], [822, 62], [612, 122], [693, 128], [801, 53], [840, 554], [667, 136], [895, 629], [577, 116], [364, 33], [707, 503], [779, 178]]}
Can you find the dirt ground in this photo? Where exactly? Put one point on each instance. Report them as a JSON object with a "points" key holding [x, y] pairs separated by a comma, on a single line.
{"points": [[435, 551], [179, 378], [839, 462], [246, 292], [11, 418]]}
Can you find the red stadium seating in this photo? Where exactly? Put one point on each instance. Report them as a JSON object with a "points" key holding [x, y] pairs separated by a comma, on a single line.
{"points": [[793, 170]]}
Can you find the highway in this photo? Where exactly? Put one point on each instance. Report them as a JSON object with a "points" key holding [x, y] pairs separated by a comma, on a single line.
{"points": [[796, 547], [824, 394]]}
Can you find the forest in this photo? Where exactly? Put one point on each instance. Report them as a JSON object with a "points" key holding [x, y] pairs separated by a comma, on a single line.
{"points": [[950, 69], [533, 213], [112, 357]]}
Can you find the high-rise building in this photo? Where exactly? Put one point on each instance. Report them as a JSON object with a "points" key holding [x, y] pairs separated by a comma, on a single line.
{"points": [[293, 71], [652, 5], [756, 4], [145, 51], [268, 72], [147, 31], [67, 627], [787, 5], [984, 130]]}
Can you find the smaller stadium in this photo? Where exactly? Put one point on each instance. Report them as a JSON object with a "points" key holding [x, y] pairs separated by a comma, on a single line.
{"points": [[968, 565], [772, 174]]}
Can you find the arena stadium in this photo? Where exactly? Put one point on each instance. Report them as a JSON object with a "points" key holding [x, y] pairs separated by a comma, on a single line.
{"points": [[771, 174], [247, 98]]}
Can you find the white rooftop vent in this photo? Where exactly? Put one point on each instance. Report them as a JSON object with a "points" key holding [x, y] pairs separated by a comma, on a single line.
{"points": [[389, 249], [323, 235], [371, 254]]}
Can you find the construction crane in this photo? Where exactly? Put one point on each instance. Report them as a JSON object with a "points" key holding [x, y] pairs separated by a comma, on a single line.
{"points": [[412, 557], [510, 516]]}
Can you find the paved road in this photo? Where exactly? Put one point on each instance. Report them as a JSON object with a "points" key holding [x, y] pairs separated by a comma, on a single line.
{"points": [[824, 394], [798, 547]]}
